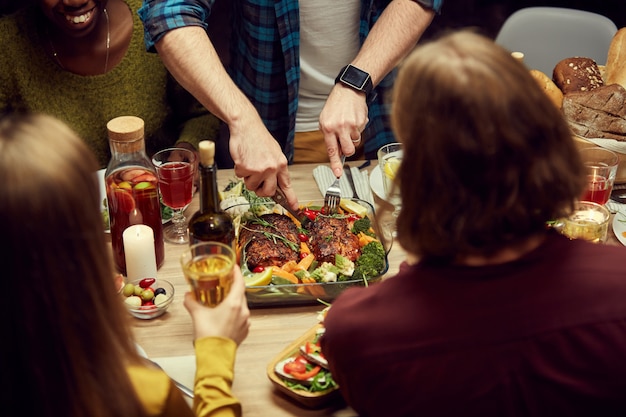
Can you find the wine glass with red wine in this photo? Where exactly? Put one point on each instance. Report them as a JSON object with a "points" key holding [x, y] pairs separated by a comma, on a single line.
{"points": [[176, 168]]}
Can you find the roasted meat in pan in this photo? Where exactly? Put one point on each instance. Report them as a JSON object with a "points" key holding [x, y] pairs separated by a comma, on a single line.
{"points": [[332, 235], [270, 240]]}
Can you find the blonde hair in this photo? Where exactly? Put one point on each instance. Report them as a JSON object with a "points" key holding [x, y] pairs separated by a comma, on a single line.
{"points": [[67, 336], [488, 159]]}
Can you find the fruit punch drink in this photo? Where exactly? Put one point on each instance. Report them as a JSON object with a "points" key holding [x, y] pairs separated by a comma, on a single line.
{"points": [[598, 189], [133, 199], [176, 184]]}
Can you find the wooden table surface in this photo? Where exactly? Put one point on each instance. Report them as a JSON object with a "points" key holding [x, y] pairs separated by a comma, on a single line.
{"points": [[168, 339]]}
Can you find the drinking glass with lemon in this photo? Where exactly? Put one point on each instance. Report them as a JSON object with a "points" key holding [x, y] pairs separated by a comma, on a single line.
{"points": [[389, 158]]}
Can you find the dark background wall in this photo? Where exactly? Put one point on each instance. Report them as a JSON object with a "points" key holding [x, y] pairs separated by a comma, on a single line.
{"points": [[486, 15], [7, 6]]}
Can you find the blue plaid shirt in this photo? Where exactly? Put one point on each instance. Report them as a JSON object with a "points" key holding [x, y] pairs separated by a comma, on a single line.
{"points": [[264, 58]]}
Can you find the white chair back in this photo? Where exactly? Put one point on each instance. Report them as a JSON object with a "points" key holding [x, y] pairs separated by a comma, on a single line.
{"points": [[546, 35]]}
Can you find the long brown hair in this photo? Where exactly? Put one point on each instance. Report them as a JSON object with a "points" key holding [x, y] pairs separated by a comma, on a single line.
{"points": [[67, 339], [488, 159]]}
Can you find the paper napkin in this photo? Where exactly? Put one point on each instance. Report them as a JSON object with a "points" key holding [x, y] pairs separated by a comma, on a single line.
{"points": [[180, 368], [615, 207], [324, 177]]}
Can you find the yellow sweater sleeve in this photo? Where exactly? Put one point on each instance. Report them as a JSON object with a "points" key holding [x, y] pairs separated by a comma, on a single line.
{"points": [[157, 393], [215, 363]]}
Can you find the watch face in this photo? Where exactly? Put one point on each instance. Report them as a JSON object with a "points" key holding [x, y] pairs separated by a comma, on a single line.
{"points": [[355, 77]]}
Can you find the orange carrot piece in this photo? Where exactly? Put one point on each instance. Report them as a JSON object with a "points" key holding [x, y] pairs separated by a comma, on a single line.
{"points": [[314, 290], [306, 262], [295, 220], [365, 239], [304, 248], [284, 274], [290, 266]]}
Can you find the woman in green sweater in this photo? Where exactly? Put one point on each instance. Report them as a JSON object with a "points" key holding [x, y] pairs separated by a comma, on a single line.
{"points": [[86, 64]]}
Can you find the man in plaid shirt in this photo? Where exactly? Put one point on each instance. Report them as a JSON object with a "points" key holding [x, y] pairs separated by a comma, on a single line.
{"points": [[305, 78]]}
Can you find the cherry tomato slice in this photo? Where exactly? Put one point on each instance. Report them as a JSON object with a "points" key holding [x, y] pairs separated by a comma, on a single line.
{"points": [[311, 214], [303, 237], [303, 376], [258, 268], [294, 367]]}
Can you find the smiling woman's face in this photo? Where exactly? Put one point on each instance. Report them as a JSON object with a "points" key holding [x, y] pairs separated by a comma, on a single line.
{"points": [[75, 18]]}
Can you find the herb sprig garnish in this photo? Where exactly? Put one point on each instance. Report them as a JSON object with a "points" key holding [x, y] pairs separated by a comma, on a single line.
{"points": [[273, 236]]}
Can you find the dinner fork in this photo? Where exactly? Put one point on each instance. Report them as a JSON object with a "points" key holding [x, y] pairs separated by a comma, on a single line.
{"points": [[332, 198]]}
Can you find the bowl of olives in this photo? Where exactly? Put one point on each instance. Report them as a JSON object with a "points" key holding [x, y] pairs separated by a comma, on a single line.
{"points": [[147, 298]]}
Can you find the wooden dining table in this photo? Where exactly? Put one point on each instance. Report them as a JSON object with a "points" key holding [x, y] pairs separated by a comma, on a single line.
{"points": [[168, 339]]}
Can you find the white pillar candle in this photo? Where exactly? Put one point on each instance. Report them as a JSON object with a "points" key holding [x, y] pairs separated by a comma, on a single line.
{"points": [[139, 252]]}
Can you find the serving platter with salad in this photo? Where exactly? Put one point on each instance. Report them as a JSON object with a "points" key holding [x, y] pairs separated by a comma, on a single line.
{"points": [[287, 263], [301, 371]]}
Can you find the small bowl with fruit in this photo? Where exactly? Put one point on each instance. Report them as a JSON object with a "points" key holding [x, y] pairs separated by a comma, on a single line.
{"points": [[147, 298]]}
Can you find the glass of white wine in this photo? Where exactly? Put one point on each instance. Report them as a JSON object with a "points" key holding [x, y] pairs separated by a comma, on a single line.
{"points": [[589, 221], [208, 268]]}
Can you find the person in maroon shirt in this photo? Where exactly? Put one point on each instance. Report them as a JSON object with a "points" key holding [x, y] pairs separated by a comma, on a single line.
{"points": [[494, 314]]}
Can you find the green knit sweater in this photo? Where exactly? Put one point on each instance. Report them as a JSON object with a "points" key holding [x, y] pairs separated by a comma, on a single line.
{"points": [[139, 85]]}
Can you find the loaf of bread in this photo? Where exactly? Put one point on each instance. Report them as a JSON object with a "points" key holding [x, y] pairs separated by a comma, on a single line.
{"points": [[600, 113], [615, 71], [547, 85], [577, 74]]}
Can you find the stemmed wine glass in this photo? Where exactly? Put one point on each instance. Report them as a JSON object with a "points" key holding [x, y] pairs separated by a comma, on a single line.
{"points": [[176, 168]]}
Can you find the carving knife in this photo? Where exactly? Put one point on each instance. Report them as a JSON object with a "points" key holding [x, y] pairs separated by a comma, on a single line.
{"points": [[348, 172], [279, 198]]}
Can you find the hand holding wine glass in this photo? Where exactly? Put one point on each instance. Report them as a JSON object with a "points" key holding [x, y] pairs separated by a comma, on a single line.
{"points": [[175, 168]]}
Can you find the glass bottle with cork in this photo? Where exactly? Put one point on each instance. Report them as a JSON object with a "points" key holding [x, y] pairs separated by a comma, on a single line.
{"points": [[210, 223], [132, 187]]}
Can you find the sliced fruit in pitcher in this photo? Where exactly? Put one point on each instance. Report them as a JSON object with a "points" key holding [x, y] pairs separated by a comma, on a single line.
{"points": [[121, 200]]}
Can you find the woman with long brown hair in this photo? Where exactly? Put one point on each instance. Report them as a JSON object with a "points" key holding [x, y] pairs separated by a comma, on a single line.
{"points": [[68, 348], [493, 314]]}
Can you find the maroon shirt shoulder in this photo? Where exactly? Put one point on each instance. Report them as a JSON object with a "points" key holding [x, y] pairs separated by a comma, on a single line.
{"points": [[491, 340]]}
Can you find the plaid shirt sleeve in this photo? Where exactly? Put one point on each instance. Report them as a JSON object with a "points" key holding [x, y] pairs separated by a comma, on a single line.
{"points": [[161, 16], [431, 4]]}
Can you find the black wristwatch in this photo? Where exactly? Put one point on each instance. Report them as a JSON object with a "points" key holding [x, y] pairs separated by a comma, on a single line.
{"points": [[356, 79]]}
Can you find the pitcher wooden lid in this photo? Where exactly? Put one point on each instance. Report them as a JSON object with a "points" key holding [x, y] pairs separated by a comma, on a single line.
{"points": [[125, 128]]}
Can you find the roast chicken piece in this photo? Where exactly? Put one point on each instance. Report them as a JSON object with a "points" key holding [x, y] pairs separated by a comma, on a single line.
{"points": [[263, 243], [331, 235]]}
